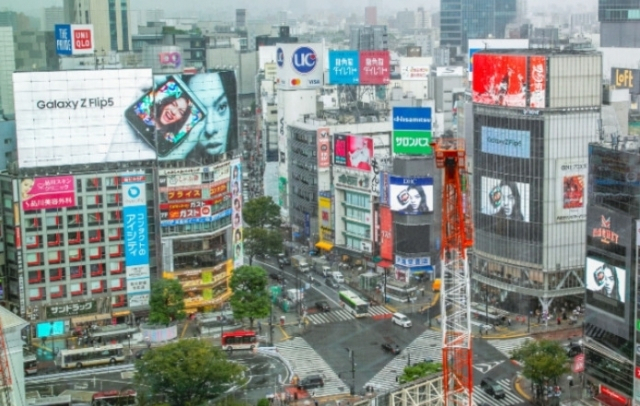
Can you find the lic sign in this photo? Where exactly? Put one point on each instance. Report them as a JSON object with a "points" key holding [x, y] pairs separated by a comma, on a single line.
{"points": [[74, 39]]}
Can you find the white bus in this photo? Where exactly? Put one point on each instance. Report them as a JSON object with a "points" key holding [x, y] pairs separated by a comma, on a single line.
{"points": [[84, 357], [359, 307]]}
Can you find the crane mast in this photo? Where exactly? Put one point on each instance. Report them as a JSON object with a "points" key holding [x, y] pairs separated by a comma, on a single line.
{"points": [[457, 236], [6, 390]]}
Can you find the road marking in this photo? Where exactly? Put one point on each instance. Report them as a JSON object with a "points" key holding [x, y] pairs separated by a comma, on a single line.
{"points": [[487, 366]]}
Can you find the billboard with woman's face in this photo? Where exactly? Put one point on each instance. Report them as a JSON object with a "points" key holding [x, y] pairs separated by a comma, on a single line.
{"points": [[502, 198], [411, 195], [606, 281]]}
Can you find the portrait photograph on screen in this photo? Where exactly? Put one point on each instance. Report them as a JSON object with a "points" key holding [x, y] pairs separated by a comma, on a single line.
{"points": [[605, 280], [504, 199], [411, 195]]}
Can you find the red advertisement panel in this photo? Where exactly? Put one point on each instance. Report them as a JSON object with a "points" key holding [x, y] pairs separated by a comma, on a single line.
{"points": [[48, 193], [188, 205], [386, 233], [374, 67], [324, 148], [537, 81], [500, 79], [353, 151]]}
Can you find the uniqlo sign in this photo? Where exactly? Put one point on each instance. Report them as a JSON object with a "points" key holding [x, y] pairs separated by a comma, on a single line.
{"points": [[74, 39]]}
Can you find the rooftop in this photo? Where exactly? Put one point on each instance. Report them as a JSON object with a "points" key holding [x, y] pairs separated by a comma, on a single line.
{"points": [[10, 320]]}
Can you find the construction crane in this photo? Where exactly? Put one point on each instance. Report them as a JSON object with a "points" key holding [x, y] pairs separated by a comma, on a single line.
{"points": [[6, 390], [457, 236]]}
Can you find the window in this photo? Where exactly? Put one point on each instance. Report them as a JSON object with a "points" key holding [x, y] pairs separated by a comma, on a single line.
{"points": [[94, 184], [32, 241], [118, 301], [78, 289], [37, 294], [74, 220], [115, 251], [35, 277], [54, 257], [58, 291], [116, 268], [52, 221], [74, 237], [95, 235], [115, 216], [115, 234], [95, 218], [95, 252], [56, 274], [112, 182], [97, 269], [76, 272], [94, 201], [33, 223], [75, 254], [98, 286], [113, 199], [117, 284], [53, 240], [34, 259]]}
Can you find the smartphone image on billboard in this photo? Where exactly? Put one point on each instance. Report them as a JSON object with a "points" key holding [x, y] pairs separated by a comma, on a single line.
{"points": [[164, 116]]}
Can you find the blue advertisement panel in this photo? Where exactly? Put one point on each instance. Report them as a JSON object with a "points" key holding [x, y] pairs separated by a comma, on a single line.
{"points": [[412, 118], [54, 328], [410, 195], [63, 39], [505, 142], [136, 235], [344, 67], [197, 220]]}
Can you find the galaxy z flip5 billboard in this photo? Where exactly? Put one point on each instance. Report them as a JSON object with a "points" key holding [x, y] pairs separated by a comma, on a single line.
{"points": [[508, 177]]}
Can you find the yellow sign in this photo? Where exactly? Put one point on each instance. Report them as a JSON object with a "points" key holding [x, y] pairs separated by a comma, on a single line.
{"points": [[207, 278]]}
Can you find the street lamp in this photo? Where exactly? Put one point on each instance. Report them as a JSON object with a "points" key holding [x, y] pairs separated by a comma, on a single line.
{"points": [[353, 371], [129, 339]]}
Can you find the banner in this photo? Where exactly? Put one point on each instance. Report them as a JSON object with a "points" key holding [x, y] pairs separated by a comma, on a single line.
{"points": [[324, 219], [48, 193], [236, 213], [136, 233], [571, 188], [538, 81], [386, 233], [324, 147]]}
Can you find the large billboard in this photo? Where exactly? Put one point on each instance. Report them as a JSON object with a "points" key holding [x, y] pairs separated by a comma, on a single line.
{"points": [[374, 68], [386, 233], [506, 199], [500, 79], [74, 39], [324, 147], [415, 72], [411, 130], [506, 142], [606, 282], [344, 67], [410, 195], [475, 45], [85, 117], [571, 188], [353, 151], [609, 231], [236, 207], [300, 66], [52, 192]]}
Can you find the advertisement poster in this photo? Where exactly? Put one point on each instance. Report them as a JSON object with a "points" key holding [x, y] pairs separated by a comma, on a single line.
{"points": [[54, 328], [300, 66], [412, 239], [571, 184], [236, 213], [374, 67], [411, 133], [500, 79], [324, 147], [415, 72], [74, 39], [538, 81], [386, 233], [606, 280], [352, 151], [324, 219], [344, 67], [411, 195], [506, 199], [48, 193], [505, 142]]}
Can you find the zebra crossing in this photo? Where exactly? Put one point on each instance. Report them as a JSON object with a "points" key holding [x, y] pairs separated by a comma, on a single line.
{"points": [[506, 346], [426, 346], [304, 360], [343, 315], [482, 397]]}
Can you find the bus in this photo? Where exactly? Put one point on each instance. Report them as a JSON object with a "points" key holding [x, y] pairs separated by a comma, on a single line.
{"points": [[85, 357], [30, 363], [114, 398], [239, 340], [359, 307]]}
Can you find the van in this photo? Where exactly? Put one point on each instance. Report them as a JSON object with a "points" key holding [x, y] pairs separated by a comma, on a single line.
{"points": [[337, 277], [401, 320], [492, 388], [310, 382]]}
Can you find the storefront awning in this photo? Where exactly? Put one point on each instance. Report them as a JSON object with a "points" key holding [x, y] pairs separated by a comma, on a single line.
{"points": [[89, 319], [384, 264], [610, 400], [323, 245]]}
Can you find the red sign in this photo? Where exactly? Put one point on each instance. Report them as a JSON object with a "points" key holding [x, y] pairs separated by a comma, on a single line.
{"points": [[374, 67], [218, 189], [188, 213], [578, 363], [386, 233], [183, 206], [500, 79], [324, 147], [604, 232], [615, 395], [82, 39], [638, 372], [537, 81]]}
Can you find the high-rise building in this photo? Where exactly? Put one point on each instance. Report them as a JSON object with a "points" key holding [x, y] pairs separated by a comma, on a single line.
{"points": [[241, 17], [619, 23], [153, 15], [369, 37], [461, 20], [370, 15], [52, 16], [7, 67], [110, 22]]}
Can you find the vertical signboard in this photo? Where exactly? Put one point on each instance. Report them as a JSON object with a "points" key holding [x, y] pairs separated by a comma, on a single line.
{"points": [[136, 238], [324, 219], [538, 81], [386, 233], [324, 147], [571, 184], [411, 130], [236, 222], [374, 67], [344, 67]]}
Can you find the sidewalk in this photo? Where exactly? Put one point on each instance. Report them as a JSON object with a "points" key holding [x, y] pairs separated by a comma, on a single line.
{"points": [[575, 395]]}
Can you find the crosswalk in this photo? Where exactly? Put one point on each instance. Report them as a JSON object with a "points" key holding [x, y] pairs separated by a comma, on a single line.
{"points": [[343, 315], [304, 361], [482, 397], [506, 346], [425, 346]]}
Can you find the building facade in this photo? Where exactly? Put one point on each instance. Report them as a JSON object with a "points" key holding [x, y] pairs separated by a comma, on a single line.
{"points": [[619, 24], [368, 37], [110, 22]]}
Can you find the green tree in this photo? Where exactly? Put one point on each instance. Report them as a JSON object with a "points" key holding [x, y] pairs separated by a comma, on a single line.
{"points": [[543, 361], [166, 301], [419, 370], [261, 241], [262, 234], [187, 372], [249, 298], [261, 212]]}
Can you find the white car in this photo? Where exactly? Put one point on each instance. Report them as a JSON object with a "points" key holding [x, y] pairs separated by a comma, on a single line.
{"points": [[401, 320]]}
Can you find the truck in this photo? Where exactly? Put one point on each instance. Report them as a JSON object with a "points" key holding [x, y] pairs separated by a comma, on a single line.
{"points": [[321, 266], [299, 262]]}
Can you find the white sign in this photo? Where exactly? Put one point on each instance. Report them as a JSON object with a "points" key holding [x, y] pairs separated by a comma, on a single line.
{"points": [[135, 286], [300, 66], [138, 271], [415, 72], [138, 300], [365, 246], [449, 71], [134, 194]]}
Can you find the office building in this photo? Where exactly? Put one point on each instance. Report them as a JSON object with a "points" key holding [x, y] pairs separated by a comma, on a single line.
{"points": [[31, 50], [52, 16], [619, 23], [370, 15], [241, 18], [110, 22], [368, 37], [7, 67]]}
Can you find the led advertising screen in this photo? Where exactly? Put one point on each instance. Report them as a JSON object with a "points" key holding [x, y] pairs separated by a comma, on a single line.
{"points": [[374, 68], [538, 81], [412, 239], [324, 219], [506, 199], [411, 195], [386, 233], [606, 286], [609, 231], [344, 67], [571, 188], [506, 142], [48, 193], [300, 66], [353, 151], [500, 80], [54, 328]]}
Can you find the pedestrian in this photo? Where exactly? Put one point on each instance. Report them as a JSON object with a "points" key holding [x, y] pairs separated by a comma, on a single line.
{"points": [[315, 402], [559, 320], [480, 331], [259, 327], [509, 322]]}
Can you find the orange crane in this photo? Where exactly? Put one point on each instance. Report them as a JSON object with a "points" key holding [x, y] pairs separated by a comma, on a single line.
{"points": [[6, 390], [457, 236]]}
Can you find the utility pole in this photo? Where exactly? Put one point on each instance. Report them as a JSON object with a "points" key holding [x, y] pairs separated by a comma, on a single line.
{"points": [[486, 303], [353, 371]]}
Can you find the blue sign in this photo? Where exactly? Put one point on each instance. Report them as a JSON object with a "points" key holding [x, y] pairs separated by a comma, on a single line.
{"points": [[471, 52], [303, 60], [280, 57], [136, 235], [54, 328], [412, 118], [63, 39], [196, 220], [307, 225], [344, 67], [504, 142]]}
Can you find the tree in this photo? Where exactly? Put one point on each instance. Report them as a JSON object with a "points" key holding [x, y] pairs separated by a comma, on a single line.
{"points": [[249, 297], [543, 362], [261, 241], [262, 234], [187, 372], [166, 301], [261, 212], [419, 370]]}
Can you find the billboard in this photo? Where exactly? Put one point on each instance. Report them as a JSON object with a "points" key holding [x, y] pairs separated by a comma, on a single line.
{"points": [[136, 232], [353, 151], [415, 72], [236, 213], [538, 81], [374, 67], [386, 233], [48, 193], [571, 187], [506, 142], [607, 282], [384, 188], [324, 219], [48, 329], [500, 79], [449, 71], [609, 231], [344, 67], [300, 66], [410, 195], [475, 45], [411, 133], [324, 147], [626, 79], [74, 39], [505, 199]]}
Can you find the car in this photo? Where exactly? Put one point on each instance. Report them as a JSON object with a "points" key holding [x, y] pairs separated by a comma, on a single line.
{"points": [[310, 382], [392, 348], [492, 388], [282, 258], [401, 320], [323, 306], [331, 283], [573, 349], [140, 353]]}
